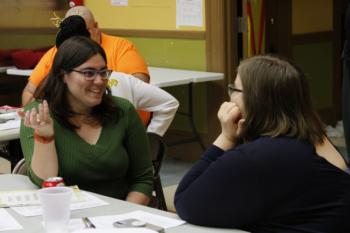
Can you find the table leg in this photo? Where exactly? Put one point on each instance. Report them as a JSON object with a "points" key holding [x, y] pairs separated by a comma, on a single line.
{"points": [[189, 114]]}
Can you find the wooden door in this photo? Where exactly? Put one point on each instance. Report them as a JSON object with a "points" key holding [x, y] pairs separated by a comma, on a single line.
{"points": [[310, 33]]}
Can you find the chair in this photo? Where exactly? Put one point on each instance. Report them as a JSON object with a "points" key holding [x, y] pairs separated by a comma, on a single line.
{"points": [[158, 152], [11, 151], [20, 168]]}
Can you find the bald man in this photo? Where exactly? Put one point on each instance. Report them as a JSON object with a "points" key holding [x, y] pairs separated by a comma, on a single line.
{"points": [[122, 56]]}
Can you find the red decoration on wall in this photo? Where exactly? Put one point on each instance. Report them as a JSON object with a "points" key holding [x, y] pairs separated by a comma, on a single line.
{"points": [[73, 3]]}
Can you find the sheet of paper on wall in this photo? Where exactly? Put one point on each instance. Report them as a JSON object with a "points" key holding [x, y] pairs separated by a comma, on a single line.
{"points": [[7, 222], [119, 2], [189, 13]]}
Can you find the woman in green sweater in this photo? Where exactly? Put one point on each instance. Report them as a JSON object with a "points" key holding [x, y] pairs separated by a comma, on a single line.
{"points": [[83, 134]]}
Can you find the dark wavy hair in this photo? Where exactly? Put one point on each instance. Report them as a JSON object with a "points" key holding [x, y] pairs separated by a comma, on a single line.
{"points": [[72, 53], [73, 25], [277, 101]]}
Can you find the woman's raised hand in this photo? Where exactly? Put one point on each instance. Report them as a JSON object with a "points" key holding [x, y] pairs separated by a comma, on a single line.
{"points": [[231, 122], [40, 120]]}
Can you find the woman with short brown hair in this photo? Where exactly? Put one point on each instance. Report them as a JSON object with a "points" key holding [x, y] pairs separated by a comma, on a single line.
{"points": [[272, 168]]}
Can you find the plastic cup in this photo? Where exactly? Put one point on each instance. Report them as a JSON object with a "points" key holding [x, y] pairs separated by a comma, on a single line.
{"points": [[55, 202]]}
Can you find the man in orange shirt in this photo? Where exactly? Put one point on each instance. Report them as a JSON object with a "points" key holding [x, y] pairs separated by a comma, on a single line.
{"points": [[122, 56]]}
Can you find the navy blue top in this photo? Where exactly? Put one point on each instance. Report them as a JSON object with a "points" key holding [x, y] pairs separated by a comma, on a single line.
{"points": [[268, 185]]}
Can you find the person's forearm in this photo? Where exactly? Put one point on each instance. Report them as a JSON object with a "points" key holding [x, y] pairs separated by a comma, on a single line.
{"points": [[44, 162], [223, 142], [162, 117], [138, 198], [142, 76], [27, 94], [27, 97], [153, 99]]}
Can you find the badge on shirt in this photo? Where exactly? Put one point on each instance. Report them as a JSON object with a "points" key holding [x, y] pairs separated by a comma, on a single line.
{"points": [[112, 82]]}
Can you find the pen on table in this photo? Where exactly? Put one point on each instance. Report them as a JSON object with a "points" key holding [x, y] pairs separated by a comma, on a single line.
{"points": [[88, 223]]}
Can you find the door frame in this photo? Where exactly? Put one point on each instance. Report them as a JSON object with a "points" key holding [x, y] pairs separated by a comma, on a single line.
{"points": [[221, 55]]}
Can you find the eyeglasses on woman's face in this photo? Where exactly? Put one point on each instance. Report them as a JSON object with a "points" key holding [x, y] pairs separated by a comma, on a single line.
{"points": [[231, 89], [91, 74]]}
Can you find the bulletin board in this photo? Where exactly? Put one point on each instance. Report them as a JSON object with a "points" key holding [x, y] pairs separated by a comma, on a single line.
{"points": [[140, 15]]}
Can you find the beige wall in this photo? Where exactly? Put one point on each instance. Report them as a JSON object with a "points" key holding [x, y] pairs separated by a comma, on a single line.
{"points": [[29, 13], [312, 16]]}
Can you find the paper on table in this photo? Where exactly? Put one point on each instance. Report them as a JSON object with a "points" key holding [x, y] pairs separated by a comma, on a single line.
{"points": [[76, 225], [154, 219], [108, 220], [16, 198], [9, 116], [116, 230], [7, 222], [89, 201], [11, 124]]}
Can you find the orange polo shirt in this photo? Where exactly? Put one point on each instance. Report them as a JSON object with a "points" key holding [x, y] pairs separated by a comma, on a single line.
{"points": [[122, 56]]}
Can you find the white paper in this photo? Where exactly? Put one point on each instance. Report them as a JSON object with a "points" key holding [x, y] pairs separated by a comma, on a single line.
{"points": [[30, 197], [9, 116], [119, 2], [88, 201], [16, 198], [11, 124], [189, 13], [164, 222], [7, 222], [106, 222], [113, 230]]}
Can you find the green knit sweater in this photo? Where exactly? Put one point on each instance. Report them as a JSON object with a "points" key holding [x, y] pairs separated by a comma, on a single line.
{"points": [[117, 164]]}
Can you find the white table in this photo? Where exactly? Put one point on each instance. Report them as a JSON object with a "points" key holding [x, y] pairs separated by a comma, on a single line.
{"points": [[160, 77], [33, 224], [3, 69], [165, 77]]}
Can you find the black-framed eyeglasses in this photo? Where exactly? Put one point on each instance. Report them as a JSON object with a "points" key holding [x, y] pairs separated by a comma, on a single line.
{"points": [[231, 89], [90, 74]]}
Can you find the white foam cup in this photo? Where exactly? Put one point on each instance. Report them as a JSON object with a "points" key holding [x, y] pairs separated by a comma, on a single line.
{"points": [[55, 202]]}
